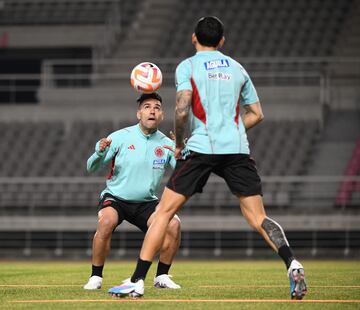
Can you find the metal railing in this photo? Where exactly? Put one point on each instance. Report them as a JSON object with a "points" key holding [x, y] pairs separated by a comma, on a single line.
{"points": [[305, 194], [301, 67], [56, 216], [119, 70], [19, 88], [291, 71]]}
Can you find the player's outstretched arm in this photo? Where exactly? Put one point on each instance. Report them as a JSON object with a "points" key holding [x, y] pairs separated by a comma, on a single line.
{"points": [[101, 156]]}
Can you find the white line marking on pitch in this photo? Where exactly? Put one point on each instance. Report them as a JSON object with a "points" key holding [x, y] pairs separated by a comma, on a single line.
{"points": [[40, 285], [200, 286], [191, 300], [275, 286]]}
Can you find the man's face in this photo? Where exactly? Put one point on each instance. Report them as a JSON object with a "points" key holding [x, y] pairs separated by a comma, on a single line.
{"points": [[150, 114]]}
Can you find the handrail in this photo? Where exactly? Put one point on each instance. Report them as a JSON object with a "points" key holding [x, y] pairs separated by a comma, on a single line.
{"points": [[56, 1], [314, 70], [213, 179], [20, 76], [168, 66], [107, 75], [176, 60]]}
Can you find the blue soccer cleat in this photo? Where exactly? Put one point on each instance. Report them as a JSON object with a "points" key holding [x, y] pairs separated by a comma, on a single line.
{"points": [[128, 288], [296, 275]]}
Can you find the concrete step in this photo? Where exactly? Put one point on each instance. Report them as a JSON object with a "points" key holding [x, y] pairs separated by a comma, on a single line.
{"points": [[139, 43], [146, 33], [162, 2], [148, 37], [349, 51], [332, 158], [151, 21], [134, 54], [159, 11]]}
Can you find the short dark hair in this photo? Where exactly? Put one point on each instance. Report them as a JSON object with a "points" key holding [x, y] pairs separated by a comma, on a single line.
{"points": [[145, 96], [209, 30]]}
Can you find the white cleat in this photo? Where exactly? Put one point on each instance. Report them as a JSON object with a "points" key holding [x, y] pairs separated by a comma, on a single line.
{"points": [[128, 288], [128, 280], [164, 281], [296, 275], [94, 283]]}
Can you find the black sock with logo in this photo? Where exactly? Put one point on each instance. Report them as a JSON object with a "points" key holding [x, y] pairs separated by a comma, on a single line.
{"points": [[141, 270]]}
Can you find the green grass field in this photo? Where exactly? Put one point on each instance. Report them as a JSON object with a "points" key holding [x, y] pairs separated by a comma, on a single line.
{"points": [[205, 285]]}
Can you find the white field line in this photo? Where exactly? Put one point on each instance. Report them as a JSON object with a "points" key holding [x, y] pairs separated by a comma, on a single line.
{"points": [[122, 300], [200, 286]]}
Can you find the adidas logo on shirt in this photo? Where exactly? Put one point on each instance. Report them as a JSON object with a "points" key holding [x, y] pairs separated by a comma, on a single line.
{"points": [[131, 147]]}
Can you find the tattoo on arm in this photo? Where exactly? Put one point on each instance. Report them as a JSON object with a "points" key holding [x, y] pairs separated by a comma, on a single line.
{"points": [[183, 104]]}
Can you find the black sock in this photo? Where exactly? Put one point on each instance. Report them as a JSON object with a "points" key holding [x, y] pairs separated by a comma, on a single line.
{"points": [[286, 254], [97, 270], [162, 268], [141, 270]]}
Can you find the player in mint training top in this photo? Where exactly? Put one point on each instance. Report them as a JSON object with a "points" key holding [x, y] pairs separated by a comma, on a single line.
{"points": [[220, 86], [139, 156], [211, 90]]}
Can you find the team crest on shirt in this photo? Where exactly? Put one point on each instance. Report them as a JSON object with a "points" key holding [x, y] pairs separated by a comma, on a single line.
{"points": [[159, 151]]}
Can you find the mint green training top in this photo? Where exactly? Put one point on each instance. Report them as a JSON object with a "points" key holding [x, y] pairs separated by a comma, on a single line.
{"points": [[138, 163], [220, 87]]}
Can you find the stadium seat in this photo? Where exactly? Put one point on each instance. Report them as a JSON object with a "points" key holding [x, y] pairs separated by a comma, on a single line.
{"points": [[37, 12], [274, 24]]}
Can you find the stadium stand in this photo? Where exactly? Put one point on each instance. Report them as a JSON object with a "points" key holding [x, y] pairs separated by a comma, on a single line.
{"points": [[303, 149], [61, 12], [349, 191], [26, 140], [263, 28], [295, 138]]}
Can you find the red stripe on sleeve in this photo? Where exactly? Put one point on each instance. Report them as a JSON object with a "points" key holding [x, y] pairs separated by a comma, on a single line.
{"points": [[197, 107], [112, 167], [237, 112]]}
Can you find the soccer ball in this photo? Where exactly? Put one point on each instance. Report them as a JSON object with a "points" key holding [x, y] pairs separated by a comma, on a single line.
{"points": [[146, 77]]}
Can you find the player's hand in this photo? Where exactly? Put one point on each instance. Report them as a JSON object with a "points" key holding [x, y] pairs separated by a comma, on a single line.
{"points": [[177, 153], [104, 143], [173, 137]]}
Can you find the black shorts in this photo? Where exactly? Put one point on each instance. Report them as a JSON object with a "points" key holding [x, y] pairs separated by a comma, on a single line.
{"points": [[136, 213], [238, 170]]}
